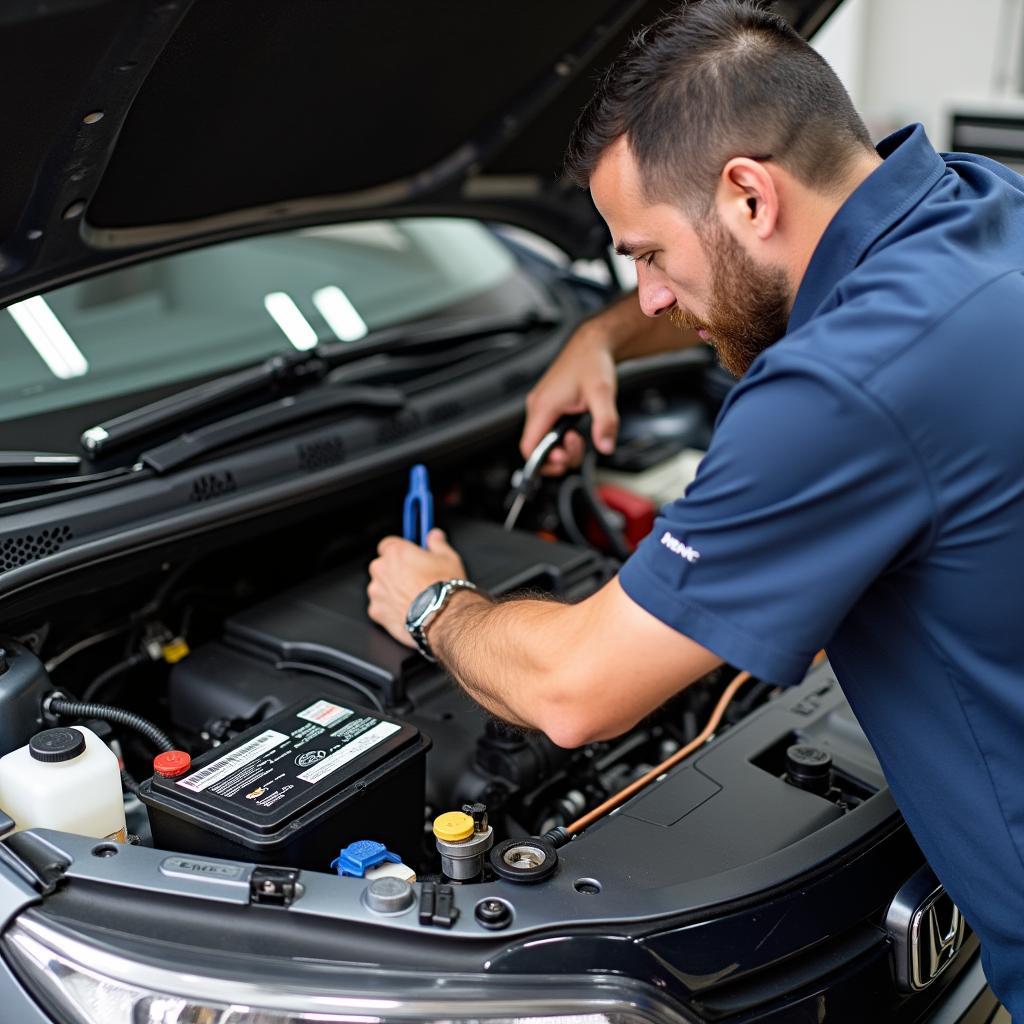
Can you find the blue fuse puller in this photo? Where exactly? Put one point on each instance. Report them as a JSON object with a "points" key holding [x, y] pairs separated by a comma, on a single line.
{"points": [[418, 510], [356, 858]]}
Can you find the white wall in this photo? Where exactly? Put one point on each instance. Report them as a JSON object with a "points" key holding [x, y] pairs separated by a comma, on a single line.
{"points": [[913, 60]]}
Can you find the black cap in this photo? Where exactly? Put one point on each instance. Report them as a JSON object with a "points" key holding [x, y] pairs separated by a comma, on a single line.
{"points": [[54, 745], [809, 767]]}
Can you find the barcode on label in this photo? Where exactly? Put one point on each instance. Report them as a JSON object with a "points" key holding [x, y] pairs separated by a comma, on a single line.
{"points": [[243, 755], [350, 751]]}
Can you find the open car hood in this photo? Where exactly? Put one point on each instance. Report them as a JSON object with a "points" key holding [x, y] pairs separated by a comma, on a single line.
{"points": [[133, 127]]}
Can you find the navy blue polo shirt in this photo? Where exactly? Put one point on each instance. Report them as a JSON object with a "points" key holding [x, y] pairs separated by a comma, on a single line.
{"points": [[864, 493]]}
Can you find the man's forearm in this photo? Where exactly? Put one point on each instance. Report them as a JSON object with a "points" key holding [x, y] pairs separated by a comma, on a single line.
{"points": [[632, 335], [577, 672], [505, 654]]}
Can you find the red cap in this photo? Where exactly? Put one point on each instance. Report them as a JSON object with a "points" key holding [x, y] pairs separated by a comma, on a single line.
{"points": [[172, 764]]}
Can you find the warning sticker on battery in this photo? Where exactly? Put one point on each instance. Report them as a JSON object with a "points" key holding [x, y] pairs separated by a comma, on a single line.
{"points": [[363, 742], [324, 713], [238, 758]]}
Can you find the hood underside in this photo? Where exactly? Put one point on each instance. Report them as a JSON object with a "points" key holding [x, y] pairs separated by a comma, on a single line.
{"points": [[133, 127]]}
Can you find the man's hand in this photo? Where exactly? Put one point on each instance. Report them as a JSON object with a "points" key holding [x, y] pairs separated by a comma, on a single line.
{"points": [[581, 378], [402, 570]]}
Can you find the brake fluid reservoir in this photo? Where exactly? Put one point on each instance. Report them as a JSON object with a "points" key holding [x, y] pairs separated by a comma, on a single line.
{"points": [[67, 780]]}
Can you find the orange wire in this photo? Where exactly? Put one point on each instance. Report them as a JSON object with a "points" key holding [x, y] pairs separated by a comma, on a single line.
{"points": [[634, 787]]}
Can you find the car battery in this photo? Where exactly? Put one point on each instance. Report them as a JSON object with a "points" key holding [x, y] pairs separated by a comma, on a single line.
{"points": [[296, 788]]}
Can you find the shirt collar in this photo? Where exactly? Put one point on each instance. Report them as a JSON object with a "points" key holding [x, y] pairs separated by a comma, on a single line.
{"points": [[910, 168]]}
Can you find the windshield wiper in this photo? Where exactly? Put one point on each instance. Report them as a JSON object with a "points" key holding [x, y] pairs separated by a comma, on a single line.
{"points": [[290, 368], [434, 332], [32, 464], [293, 371], [264, 418]]}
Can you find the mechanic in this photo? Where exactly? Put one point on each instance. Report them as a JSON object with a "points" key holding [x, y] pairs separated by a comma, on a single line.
{"points": [[864, 489]]}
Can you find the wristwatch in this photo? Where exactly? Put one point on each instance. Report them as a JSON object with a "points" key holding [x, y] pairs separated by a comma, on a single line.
{"points": [[425, 605]]}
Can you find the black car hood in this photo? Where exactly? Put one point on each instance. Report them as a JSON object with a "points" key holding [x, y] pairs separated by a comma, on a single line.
{"points": [[132, 127]]}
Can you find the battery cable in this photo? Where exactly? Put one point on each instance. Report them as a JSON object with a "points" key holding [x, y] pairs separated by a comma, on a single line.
{"points": [[648, 777], [670, 762]]}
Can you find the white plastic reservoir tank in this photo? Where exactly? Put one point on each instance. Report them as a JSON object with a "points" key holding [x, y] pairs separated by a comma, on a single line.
{"points": [[64, 779]]}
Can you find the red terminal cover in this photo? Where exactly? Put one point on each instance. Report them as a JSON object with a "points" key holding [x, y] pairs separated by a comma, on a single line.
{"points": [[172, 763]]}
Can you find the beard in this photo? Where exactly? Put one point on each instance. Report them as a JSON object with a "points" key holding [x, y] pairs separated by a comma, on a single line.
{"points": [[749, 308]]}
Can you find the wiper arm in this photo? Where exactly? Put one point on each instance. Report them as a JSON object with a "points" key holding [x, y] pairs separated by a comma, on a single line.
{"points": [[271, 373], [271, 416], [294, 370]]}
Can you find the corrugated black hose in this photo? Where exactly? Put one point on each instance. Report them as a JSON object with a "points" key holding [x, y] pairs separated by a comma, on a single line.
{"points": [[117, 716]]}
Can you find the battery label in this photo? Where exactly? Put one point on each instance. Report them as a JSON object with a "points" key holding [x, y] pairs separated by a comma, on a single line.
{"points": [[324, 713], [290, 758], [359, 745], [238, 758]]}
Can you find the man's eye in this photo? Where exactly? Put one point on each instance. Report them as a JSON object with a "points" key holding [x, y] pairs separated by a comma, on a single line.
{"points": [[648, 259]]}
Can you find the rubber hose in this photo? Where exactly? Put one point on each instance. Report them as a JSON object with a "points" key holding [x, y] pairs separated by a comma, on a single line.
{"points": [[117, 716], [558, 836], [112, 673], [619, 545], [129, 783]]}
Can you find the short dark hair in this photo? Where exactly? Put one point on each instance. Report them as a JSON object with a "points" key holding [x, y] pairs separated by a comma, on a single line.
{"points": [[712, 80]]}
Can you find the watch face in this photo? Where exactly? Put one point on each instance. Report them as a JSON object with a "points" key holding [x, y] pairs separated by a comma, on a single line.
{"points": [[422, 602]]}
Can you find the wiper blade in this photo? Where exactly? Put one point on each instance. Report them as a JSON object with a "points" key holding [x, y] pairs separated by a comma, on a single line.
{"points": [[33, 464], [271, 416], [23, 486], [433, 332]]}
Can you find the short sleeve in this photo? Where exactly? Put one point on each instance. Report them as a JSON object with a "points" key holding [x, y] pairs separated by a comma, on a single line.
{"points": [[808, 494]]}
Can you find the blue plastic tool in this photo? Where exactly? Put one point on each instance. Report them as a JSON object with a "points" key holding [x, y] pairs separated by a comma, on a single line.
{"points": [[418, 511], [353, 861]]}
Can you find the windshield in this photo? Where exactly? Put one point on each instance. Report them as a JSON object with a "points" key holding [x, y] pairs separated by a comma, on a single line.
{"points": [[204, 312]]}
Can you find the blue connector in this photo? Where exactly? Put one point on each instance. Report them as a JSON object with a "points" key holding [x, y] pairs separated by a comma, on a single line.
{"points": [[418, 510], [356, 858]]}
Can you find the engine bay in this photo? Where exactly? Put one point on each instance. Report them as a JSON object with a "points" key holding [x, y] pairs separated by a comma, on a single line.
{"points": [[301, 735], [309, 731]]}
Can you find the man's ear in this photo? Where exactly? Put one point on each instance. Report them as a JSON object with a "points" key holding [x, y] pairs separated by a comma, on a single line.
{"points": [[747, 199]]}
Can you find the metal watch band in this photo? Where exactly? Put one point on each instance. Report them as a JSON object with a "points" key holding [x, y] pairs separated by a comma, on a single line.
{"points": [[418, 627]]}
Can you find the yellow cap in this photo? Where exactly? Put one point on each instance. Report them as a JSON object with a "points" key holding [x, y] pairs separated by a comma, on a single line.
{"points": [[174, 651], [453, 827]]}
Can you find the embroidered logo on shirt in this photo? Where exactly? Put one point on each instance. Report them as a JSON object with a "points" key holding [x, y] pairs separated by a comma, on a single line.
{"points": [[677, 547]]}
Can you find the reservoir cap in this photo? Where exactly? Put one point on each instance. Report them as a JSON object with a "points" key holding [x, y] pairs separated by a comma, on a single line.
{"points": [[171, 764], [54, 745], [809, 768], [453, 827], [357, 857]]}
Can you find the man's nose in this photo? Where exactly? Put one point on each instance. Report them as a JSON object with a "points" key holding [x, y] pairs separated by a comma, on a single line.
{"points": [[655, 298]]}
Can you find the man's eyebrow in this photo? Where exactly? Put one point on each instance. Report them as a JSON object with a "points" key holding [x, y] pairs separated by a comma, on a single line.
{"points": [[626, 247]]}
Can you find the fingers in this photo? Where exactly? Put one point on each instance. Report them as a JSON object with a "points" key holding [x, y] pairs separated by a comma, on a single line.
{"points": [[567, 455], [605, 418], [540, 418], [437, 541]]}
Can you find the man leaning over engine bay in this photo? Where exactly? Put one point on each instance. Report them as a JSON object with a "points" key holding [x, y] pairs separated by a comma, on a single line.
{"points": [[864, 489]]}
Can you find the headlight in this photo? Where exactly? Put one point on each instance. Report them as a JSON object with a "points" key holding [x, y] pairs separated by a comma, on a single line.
{"points": [[84, 984]]}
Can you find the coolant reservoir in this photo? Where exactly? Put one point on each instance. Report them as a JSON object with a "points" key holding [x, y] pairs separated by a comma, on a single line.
{"points": [[67, 780]]}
